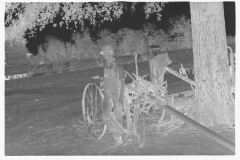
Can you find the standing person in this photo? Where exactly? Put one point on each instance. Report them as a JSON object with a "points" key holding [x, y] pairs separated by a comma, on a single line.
{"points": [[114, 86]]}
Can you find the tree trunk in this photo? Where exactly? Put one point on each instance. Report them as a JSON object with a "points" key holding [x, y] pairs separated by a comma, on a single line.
{"points": [[6, 58], [214, 101]]}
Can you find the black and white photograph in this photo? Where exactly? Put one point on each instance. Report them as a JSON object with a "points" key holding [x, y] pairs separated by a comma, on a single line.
{"points": [[119, 78]]}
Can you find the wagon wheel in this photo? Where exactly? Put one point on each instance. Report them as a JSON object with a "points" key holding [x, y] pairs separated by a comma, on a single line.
{"points": [[92, 99], [152, 114]]}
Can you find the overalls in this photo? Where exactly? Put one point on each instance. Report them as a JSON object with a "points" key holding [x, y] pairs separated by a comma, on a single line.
{"points": [[111, 86]]}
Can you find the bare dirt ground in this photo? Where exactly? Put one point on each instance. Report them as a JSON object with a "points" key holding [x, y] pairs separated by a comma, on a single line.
{"points": [[43, 117]]}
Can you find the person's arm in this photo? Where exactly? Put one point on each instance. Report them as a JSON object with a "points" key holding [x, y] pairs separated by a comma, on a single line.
{"points": [[101, 62], [102, 81], [122, 90], [122, 81]]}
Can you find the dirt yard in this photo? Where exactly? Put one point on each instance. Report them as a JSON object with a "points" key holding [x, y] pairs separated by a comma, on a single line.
{"points": [[43, 117]]}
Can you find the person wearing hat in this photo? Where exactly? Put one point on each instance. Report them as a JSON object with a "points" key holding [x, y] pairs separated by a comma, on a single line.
{"points": [[114, 85]]}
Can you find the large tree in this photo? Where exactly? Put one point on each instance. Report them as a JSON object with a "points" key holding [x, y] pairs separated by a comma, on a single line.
{"points": [[214, 100]]}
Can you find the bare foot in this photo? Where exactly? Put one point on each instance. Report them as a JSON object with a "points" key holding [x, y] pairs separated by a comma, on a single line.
{"points": [[140, 145], [115, 145], [118, 142], [130, 138]]}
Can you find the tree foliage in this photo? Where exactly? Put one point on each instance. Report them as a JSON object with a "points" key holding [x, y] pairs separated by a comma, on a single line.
{"points": [[33, 17], [180, 31]]}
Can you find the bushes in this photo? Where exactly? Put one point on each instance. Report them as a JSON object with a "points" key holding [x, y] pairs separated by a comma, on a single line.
{"points": [[130, 41], [180, 33], [56, 51], [125, 42], [177, 37]]}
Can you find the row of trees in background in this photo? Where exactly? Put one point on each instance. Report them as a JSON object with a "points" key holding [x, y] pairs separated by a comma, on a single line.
{"points": [[125, 42]]}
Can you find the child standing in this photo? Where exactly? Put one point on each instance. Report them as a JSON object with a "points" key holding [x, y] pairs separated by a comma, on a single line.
{"points": [[114, 85]]}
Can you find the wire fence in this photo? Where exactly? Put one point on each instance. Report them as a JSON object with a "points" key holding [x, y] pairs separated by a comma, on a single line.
{"points": [[174, 83], [177, 85]]}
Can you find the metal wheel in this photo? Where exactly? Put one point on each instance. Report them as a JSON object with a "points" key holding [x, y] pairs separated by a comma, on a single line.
{"points": [[153, 114], [92, 99]]}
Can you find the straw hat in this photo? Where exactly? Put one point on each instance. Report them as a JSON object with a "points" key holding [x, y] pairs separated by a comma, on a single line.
{"points": [[108, 49]]}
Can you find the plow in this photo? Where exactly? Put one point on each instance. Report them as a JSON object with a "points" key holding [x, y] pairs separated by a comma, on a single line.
{"points": [[147, 104]]}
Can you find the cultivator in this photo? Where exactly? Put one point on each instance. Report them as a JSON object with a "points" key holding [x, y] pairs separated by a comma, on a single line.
{"points": [[140, 105], [146, 106], [140, 98]]}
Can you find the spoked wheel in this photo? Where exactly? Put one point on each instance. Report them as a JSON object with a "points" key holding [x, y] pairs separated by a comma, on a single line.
{"points": [[92, 99], [152, 114]]}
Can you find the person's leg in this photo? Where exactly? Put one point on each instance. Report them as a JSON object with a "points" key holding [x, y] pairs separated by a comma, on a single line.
{"points": [[117, 109], [106, 109], [111, 122]]}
